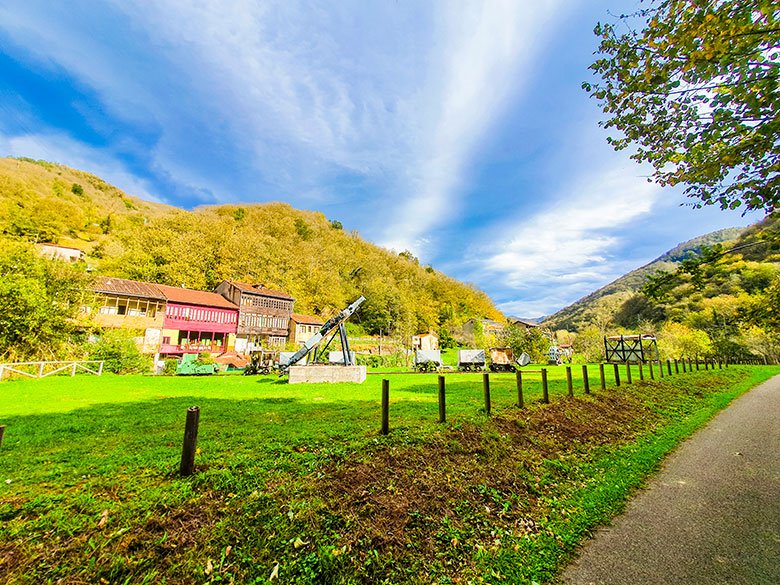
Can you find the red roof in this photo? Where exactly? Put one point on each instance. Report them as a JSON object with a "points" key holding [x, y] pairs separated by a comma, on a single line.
{"points": [[306, 319], [259, 289], [129, 288], [195, 297]]}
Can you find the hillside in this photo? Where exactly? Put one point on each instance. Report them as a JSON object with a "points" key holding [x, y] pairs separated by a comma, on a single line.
{"points": [[301, 252], [581, 312]]}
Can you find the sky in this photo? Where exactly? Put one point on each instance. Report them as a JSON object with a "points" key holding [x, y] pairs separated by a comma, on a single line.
{"points": [[456, 130]]}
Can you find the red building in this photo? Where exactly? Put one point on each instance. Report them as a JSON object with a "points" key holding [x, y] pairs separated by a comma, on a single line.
{"points": [[197, 321]]}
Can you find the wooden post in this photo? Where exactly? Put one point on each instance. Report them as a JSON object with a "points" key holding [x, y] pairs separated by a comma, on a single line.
{"points": [[628, 373], [486, 388], [697, 363], [40, 369], [73, 369], [385, 407], [651, 367], [676, 366], [683, 365], [520, 401], [545, 393], [706, 364], [585, 381], [602, 377], [100, 368], [669, 366], [720, 364], [2, 434], [641, 371], [569, 382], [442, 408], [617, 375], [190, 441]]}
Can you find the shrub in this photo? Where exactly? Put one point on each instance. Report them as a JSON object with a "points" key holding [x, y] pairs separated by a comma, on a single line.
{"points": [[119, 353]]}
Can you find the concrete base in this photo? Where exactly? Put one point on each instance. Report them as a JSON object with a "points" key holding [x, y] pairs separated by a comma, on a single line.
{"points": [[321, 373]]}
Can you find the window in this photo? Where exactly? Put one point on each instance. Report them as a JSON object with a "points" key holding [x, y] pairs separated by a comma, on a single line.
{"points": [[166, 340], [107, 310]]}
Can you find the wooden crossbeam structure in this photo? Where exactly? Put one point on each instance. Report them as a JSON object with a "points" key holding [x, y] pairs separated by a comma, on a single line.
{"points": [[44, 369], [621, 349]]}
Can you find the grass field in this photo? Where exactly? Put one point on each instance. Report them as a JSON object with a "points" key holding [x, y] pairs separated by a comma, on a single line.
{"points": [[295, 484]]}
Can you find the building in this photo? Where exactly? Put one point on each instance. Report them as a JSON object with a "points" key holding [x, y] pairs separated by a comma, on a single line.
{"points": [[302, 327], [197, 321], [488, 327], [128, 304], [264, 314], [425, 341], [61, 253], [523, 323]]}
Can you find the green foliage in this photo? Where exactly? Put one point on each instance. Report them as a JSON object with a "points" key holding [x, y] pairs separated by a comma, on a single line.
{"points": [[695, 92], [41, 304], [169, 369], [336, 225], [531, 341], [678, 341], [205, 358], [77, 189], [118, 349]]}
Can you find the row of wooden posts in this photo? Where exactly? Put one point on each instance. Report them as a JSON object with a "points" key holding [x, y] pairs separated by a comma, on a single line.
{"points": [[676, 364], [187, 465]]}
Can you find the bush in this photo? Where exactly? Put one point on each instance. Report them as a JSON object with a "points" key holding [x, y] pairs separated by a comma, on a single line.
{"points": [[170, 367], [119, 353]]}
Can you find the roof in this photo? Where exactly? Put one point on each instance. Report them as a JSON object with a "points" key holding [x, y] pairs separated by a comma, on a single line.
{"points": [[195, 297], [129, 288], [429, 334], [306, 319], [525, 322], [260, 289]]}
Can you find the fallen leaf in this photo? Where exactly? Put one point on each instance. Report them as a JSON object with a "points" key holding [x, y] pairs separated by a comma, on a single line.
{"points": [[103, 519], [274, 573], [209, 567], [227, 550]]}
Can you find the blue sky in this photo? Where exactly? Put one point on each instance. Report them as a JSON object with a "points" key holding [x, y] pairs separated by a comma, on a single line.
{"points": [[457, 130]]}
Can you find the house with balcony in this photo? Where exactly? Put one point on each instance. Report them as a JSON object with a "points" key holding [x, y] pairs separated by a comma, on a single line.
{"points": [[132, 305], [486, 326], [263, 314], [303, 327], [197, 321]]}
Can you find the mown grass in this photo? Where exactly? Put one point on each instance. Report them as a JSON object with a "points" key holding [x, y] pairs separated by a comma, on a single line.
{"points": [[296, 481]]}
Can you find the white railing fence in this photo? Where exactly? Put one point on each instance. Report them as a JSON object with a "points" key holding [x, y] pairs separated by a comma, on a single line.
{"points": [[43, 369]]}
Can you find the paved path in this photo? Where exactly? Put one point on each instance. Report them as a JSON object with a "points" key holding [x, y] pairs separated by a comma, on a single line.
{"points": [[712, 515]]}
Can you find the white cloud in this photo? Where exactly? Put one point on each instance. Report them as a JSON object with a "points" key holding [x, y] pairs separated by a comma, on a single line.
{"points": [[486, 53], [570, 249]]}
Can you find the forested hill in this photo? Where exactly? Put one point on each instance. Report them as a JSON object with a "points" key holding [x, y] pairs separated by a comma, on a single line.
{"points": [[610, 297], [301, 252]]}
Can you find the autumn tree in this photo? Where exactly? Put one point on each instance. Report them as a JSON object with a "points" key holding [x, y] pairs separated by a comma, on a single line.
{"points": [[692, 85]]}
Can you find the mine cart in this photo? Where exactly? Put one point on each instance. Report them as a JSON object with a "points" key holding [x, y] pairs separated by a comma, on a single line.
{"points": [[502, 359], [471, 360], [428, 360], [189, 366], [262, 362]]}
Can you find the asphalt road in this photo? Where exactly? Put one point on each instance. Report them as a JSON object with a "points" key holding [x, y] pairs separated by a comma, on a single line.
{"points": [[712, 515]]}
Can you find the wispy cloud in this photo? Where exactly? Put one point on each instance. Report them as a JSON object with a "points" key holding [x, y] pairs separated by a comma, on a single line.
{"points": [[486, 53], [572, 247]]}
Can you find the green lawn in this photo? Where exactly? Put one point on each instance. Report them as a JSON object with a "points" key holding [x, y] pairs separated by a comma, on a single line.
{"points": [[296, 480]]}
